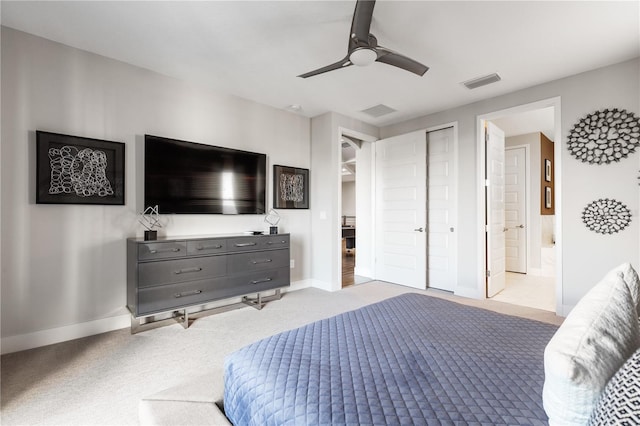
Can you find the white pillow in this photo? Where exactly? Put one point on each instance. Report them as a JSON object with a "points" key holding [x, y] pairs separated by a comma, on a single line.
{"points": [[630, 277], [596, 338]]}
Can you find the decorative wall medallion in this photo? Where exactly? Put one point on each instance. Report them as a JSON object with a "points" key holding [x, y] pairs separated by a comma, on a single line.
{"points": [[606, 216], [604, 136]]}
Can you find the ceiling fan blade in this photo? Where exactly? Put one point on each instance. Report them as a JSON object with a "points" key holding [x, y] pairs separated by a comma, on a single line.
{"points": [[397, 60], [335, 66], [361, 23]]}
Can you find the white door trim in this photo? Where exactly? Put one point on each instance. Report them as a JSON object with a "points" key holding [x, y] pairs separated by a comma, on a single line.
{"points": [[554, 102]]}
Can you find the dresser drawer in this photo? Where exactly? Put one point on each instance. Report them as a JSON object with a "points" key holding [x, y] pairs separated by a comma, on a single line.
{"points": [[257, 261], [274, 242], [244, 243], [259, 281], [163, 250], [206, 247], [180, 270], [173, 296]]}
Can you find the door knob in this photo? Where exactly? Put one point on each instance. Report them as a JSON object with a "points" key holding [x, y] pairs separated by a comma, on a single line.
{"points": [[520, 226], [419, 229]]}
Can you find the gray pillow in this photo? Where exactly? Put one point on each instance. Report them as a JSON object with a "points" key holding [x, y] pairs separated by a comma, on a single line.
{"points": [[619, 404]]}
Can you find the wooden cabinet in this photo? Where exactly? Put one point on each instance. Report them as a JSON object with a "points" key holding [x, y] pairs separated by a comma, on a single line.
{"points": [[175, 274]]}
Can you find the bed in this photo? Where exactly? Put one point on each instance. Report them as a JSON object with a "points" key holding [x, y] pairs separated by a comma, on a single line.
{"points": [[410, 359]]}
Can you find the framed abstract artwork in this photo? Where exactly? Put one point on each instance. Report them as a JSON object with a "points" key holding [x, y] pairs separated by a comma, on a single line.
{"points": [[77, 170], [290, 187]]}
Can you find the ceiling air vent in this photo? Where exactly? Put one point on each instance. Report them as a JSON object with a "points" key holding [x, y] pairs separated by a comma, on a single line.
{"points": [[482, 81], [378, 111]]}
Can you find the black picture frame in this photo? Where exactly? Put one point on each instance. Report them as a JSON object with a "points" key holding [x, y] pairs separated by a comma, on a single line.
{"points": [[290, 187], [77, 170]]}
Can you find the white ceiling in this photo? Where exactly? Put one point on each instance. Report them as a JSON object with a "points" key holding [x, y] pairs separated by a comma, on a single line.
{"points": [[539, 120], [256, 49]]}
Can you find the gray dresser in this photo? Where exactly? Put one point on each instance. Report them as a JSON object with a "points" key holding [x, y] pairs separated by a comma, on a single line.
{"points": [[173, 274]]}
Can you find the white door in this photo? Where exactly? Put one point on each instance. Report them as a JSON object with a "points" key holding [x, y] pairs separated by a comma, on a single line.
{"points": [[494, 142], [441, 210], [515, 208], [401, 209]]}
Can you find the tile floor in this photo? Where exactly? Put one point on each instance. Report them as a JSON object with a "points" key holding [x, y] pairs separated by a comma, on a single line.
{"points": [[529, 290]]}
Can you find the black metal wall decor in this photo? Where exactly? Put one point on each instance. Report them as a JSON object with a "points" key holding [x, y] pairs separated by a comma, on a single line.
{"points": [[606, 216], [604, 136], [290, 187], [77, 170]]}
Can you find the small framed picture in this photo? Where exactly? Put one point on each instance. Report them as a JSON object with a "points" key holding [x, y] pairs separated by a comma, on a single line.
{"points": [[547, 197], [547, 170], [290, 188], [76, 170]]}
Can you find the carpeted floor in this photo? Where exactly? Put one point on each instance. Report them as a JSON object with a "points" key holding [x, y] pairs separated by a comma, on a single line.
{"points": [[101, 379]]}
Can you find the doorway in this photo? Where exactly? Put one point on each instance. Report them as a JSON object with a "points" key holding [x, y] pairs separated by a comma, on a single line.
{"points": [[355, 200], [348, 147], [521, 227]]}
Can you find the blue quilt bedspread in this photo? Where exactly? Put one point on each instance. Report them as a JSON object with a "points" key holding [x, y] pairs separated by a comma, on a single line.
{"points": [[411, 359]]}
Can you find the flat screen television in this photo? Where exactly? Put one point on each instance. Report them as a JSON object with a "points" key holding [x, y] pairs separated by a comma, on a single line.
{"points": [[192, 178]]}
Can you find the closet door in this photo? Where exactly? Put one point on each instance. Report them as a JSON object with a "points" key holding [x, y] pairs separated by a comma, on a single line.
{"points": [[401, 189], [442, 241]]}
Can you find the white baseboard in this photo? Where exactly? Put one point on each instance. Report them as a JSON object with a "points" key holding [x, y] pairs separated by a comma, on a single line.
{"points": [[471, 293], [299, 285], [40, 338], [565, 309], [541, 272], [36, 339], [363, 272], [322, 285]]}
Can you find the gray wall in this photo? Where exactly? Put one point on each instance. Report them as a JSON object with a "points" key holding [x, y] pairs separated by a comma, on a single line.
{"points": [[68, 261], [586, 256]]}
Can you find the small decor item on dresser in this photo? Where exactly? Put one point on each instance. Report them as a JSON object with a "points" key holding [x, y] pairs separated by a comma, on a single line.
{"points": [[604, 136], [290, 187], [272, 218], [606, 216], [150, 219], [77, 170]]}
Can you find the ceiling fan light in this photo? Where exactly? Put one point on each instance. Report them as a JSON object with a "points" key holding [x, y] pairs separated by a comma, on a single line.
{"points": [[363, 57]]}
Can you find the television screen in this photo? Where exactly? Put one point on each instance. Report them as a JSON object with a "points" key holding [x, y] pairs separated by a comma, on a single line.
{"points": [[186, 177]]}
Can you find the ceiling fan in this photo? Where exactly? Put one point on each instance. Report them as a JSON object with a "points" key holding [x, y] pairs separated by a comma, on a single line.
{"points": [[363, 46]]}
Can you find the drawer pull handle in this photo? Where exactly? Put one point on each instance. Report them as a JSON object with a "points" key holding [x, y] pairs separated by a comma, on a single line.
{"points": [[185, 270], [277, 242], [173, 250], [187, 293], [245, 244], [264, 280], [255, 262], [208, 247]]}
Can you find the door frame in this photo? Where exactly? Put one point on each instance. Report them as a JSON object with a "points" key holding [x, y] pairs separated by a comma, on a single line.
{"points": [[527, 189], [554, 102]]}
